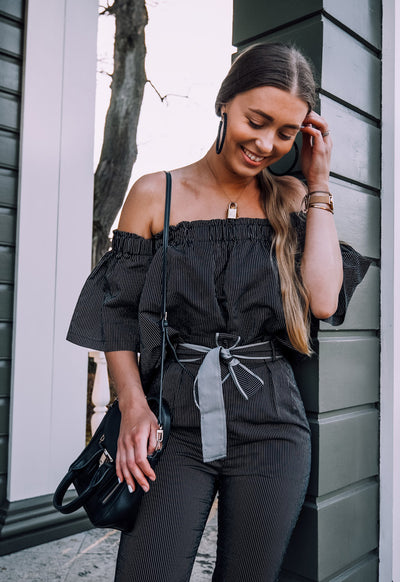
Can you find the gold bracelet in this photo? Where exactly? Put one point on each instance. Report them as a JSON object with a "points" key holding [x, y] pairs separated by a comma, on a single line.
{"points": [[321, 206], [312, 198]]}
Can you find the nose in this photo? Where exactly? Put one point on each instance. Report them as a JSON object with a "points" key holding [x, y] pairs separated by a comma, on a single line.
{"points": [[265, 143]]}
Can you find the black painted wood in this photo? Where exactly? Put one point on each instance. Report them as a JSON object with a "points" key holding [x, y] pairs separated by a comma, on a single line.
{"points": [[340, 388], [5, 341], [11, 45], [357, 217], [360, 17], [257, 17], [7, 226], [3, 451], [11, 37], [8, 188], [364, 309], [254, 18], [6, 264], [6, 304], [12, 8], [362, 139], [9, 149], [9, 111], [345, 449], [360, 69], [5, 377], [334, 523], [365, 570], [4, 414], [35, 521], [10, 74]]}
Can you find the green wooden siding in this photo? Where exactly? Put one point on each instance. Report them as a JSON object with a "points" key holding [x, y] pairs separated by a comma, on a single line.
{"points": [[336, 538], [11, 47]]}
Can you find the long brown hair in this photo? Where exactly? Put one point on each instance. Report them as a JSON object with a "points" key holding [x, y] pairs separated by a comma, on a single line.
{"points": [[284, 67]]}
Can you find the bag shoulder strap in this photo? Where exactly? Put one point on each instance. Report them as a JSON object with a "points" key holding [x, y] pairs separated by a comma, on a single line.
{"points": [[164, 321], [165, 243]]}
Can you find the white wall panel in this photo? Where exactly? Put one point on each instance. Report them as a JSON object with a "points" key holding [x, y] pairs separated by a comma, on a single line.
{"points": [[53, 242]]}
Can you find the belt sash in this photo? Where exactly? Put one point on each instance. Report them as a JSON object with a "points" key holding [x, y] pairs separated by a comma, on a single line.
{"points": [[207, 386]]}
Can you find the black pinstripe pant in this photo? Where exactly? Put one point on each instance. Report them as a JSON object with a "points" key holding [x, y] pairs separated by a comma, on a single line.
{"points": [[261, 485]]}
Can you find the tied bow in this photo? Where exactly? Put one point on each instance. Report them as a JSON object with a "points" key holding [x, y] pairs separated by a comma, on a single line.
{"points": [[208, 394]]}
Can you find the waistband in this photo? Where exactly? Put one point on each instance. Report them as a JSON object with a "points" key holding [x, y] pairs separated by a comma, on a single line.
{"points": [[207, 386]]}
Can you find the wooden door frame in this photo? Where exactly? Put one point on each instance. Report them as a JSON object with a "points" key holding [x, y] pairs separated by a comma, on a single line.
{"points": [[390, 296], [49, 375]]}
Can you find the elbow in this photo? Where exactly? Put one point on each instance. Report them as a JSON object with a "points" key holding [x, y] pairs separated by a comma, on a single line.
{"points": [[324, 298], [324, 309]]}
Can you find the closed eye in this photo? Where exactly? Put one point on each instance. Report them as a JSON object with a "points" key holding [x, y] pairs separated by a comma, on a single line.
{"points": [[286, 137], [255, 125]]}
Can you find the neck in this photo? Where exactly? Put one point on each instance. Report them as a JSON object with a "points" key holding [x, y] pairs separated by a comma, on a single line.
{"points": [[224, 177]]}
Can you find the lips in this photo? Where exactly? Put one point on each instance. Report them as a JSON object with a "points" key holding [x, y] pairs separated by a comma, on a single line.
{"points": [[251, 156]]}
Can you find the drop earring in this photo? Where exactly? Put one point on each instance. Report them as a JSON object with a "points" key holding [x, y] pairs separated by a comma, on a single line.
{"points": [[296, 157], [219, 144]]}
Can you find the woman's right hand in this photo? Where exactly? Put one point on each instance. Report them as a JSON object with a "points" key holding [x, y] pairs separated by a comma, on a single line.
{"points": [[137, 439], [138, 430]]}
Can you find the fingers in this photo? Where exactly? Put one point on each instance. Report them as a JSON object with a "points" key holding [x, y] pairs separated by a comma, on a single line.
{"points": [[132, 464], [316, 150], [314, 142], [317, 128], [152, 444], [316, 120]]}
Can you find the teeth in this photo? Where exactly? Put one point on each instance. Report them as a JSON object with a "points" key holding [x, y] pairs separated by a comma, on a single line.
{"points": [[252, 156]]}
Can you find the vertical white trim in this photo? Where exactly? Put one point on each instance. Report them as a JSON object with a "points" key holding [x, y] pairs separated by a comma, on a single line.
{"points": [[53, 242], [390, 298]]}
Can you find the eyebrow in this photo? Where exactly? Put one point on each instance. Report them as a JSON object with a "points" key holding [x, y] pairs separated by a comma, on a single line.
{"points": [[266, 116]]}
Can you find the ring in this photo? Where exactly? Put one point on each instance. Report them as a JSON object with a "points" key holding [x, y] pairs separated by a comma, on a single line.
{"points": [[325, 133]]}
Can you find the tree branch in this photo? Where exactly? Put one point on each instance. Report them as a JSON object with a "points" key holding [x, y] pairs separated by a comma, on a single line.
{"points": [[164, 97]]}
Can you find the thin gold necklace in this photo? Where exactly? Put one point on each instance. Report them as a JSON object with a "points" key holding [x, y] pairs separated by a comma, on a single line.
{"points": [[232, 210]]}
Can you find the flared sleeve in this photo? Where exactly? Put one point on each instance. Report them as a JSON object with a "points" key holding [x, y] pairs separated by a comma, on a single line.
{"points": [[355, 267], [106, 314]]}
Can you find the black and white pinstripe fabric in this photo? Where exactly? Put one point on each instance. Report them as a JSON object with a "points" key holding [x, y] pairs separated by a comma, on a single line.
{"points": [[222, 279], [261, 484]]}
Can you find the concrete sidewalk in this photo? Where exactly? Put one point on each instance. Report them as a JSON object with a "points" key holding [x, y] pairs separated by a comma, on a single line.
{"points": [[90, 557]]}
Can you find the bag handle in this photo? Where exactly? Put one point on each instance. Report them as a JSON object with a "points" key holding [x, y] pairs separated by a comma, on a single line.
{"points": [[78, 501]]}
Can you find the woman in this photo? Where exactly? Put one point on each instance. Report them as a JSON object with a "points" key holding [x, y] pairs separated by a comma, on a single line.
{"points": [[245, 269]]}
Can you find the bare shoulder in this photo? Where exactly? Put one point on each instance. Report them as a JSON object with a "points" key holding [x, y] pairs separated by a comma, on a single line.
{"points": [[293, 190], [144, 206]]}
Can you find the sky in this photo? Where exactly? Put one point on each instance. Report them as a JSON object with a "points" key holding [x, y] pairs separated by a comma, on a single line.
{"points": [[189, 48]]}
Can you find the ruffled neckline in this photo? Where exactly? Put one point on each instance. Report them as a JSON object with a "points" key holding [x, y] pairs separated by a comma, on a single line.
{"points": [[214, 229]]}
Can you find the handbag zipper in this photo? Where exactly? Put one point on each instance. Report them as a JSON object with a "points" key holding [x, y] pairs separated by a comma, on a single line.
{"points": [[113, 490]]}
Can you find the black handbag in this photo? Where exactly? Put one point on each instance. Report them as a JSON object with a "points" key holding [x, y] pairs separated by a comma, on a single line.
{"points": [[107, 502]]}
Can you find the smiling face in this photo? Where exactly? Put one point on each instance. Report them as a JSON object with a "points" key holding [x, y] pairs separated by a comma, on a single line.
{"points": [[262, 125]]}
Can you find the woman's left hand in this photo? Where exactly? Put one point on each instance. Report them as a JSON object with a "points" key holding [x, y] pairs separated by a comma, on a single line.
{"points": [[316, 151]]}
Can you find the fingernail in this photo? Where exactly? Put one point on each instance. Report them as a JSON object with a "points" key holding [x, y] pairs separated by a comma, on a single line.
{"points": [[146, 488], [130, 489], [119, 480]]}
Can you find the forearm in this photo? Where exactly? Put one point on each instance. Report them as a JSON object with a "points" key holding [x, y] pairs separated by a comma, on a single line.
{"points": [[321, 265], [124, 370]]}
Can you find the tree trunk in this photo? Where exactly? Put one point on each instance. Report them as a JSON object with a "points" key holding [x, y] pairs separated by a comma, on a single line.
{"points": [[119, 149]]}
